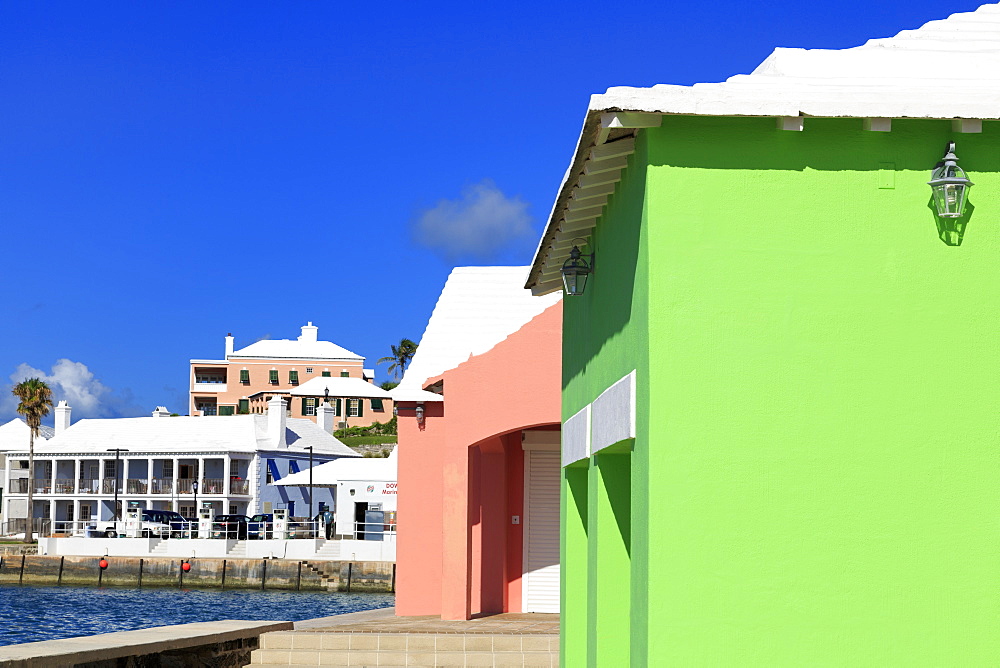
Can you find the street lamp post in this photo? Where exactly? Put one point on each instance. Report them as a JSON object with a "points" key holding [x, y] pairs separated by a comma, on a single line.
{"points": [[118, 452], [194, 488], [310, 449]]}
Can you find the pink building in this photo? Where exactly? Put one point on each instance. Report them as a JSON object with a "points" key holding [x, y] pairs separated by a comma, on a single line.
{"points": [[479, 454], [304, 372]]}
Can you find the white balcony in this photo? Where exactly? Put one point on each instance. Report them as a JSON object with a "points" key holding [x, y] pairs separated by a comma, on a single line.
{"points": [[209, 388]]}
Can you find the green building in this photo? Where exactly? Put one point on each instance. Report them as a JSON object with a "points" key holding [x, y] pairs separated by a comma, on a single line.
{"points": [[781, 383]]}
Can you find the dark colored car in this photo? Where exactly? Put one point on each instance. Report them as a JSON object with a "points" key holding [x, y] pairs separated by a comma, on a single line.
{"points": [[230, 526], [260, 526]]}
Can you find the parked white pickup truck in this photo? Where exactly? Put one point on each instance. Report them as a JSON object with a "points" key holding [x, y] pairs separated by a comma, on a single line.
{"points": [[154, 523]]}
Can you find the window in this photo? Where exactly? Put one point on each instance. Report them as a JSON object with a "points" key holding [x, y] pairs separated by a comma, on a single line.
{"points": [[245, 376], [187, 511], [354, 408], [227, 410], [109, 469], [85, 512], [22, 464], [326, 374], [244, 407], [293, 377], [206, 408], [209, 378], [377, 405], [308, 406], [168, 469], [309, 369], [273, 376], [345, 374], [268, 478]]}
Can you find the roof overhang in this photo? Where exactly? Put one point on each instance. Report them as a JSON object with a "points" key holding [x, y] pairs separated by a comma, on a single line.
{"points": [[414, 396], [923, 73]]}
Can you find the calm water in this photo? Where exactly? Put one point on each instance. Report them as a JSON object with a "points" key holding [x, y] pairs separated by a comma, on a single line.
{"points": [[33, 613]]}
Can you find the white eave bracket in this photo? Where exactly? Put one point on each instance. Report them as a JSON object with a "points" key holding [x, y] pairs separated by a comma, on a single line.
{"points": [[967, 125], [626, 119], [791, 123], [878, 124]]}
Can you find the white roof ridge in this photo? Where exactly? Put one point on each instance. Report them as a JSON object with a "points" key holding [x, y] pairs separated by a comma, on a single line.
{"points": [[477, 308], [923, 72]]}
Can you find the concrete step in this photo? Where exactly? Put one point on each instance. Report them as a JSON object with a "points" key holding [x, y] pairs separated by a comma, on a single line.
{"points": [[292, 648], [239, 549], [374, 658]]}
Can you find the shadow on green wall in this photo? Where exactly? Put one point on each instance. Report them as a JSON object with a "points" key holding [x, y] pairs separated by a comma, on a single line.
{"points": [[951, 230], [596, 318]]}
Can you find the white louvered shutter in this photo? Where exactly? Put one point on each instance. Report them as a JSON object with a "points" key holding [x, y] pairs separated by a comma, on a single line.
{"points": [[541, 539]]}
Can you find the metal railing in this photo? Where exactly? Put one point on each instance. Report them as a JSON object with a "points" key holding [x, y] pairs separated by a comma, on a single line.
{"points": [[69, 527], [43, 486], [185, 485], [88, 485], [65, 486], [239, 487], [212, 486], [295, 528], [136, 486], [18, 486], [161, 485], [15, 528], [108, 485]]}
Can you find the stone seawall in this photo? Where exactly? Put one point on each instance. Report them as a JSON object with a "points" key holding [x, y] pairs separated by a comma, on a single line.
{"points": [[371, 576], [19, 549]]}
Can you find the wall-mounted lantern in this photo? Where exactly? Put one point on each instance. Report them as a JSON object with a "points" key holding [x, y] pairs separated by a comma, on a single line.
{"points": [[950, 186], [575, 271], [420, 412]]}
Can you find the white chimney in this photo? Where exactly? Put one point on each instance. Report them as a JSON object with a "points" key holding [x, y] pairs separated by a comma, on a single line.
{"points": [[161, 411], [324, 417], [62, 411], [309, 333], [229, 344], [276, 422]]}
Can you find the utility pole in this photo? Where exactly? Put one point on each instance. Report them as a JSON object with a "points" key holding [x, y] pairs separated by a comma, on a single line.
{"points": [[118, 452]]}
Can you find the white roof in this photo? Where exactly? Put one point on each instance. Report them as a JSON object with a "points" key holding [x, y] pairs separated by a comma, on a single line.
{"points": [[339, 387], [948, 69], [419, 396], [894, 77], [478, 308], [229, 433], [14, 435], [294, 349], [375, 469]]}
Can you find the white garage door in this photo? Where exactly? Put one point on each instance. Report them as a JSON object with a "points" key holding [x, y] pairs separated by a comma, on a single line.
{"points": [[541, 531]]}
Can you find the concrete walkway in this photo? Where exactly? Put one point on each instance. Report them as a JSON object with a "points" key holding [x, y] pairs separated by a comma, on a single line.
{"points": [[379, 638]]}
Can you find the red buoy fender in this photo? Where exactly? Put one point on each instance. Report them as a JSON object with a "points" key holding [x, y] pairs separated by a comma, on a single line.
{"points": [[186, 566], [103, 563]]}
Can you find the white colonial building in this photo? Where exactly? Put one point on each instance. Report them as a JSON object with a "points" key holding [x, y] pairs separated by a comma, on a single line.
{"points": [[170, 463]]}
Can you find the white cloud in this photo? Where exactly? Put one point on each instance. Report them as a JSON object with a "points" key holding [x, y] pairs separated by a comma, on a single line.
{"points": [[480, 223], [74, 382]]}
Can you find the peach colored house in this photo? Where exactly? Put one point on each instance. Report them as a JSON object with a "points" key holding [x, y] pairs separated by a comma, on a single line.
{"points": [[479, 456], [246, 379]]}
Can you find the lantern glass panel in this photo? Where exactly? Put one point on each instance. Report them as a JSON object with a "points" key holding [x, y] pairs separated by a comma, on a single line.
{"points": [[949, 199], [574, 280]]}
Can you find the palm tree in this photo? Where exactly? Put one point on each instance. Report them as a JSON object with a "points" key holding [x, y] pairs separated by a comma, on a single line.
{"points": [[35, 401], [400, 357]]}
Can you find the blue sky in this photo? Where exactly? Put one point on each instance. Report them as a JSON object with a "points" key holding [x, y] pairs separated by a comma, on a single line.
{"points": [[173, 172]]}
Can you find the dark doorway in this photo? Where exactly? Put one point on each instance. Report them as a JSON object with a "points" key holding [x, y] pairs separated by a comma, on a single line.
{"points": [[360, 508]]}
